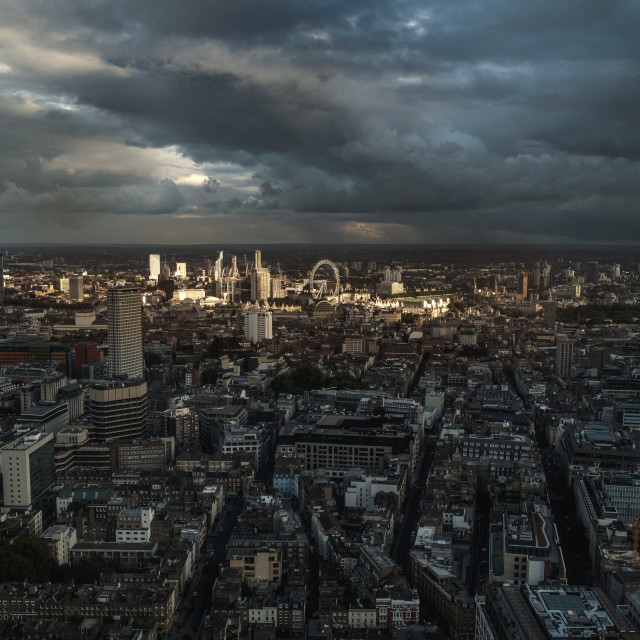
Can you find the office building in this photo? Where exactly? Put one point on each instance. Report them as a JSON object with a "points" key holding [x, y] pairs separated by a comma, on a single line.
{"points": [[26, 349], [76, 293], [1, 279], [60, 539], [544, 613], [181, 423], [564, 356], [338, 443], [154, 453], [550, 309], [257, 564], [276, 287], [27, 468], [258, 325], [85, 353], [124, 315], [154, 266], [181, 269], [49, 417], [134, 525], [118, 409]]}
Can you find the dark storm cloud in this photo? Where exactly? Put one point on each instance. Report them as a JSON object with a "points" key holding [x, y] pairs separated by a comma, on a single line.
{"points": [[506, 119]]}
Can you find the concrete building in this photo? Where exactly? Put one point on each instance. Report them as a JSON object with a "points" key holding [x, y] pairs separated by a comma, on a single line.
{"points": [[564, 356], [182, 424], [258, 325], [85, 353], [124, 312], [27, 469], [118, 409], [247, 439], [49, 418], [257, 565], [134, 525], [340, 443], [60, 539], [522, 549], [148, 453], [525, 613]]}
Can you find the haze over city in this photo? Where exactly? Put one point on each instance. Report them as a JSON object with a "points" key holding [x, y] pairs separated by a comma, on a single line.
{"points": [[414, 121], [319, 319]]}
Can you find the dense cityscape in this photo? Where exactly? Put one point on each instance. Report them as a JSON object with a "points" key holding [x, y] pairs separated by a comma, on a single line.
{"points": [[325, 442]]}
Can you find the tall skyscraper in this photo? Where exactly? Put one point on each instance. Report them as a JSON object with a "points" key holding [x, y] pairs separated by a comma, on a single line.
{"points": [[564, 356], [217, 269], [76, 284], [1, 279], [276, 287], [258, 325], [545, 275], [181, 269], [154, 266], [124, 317], [615, 271], [534, 276], [260, 279], [593, 272], [550, 313], [523, 283], [260, 285]]}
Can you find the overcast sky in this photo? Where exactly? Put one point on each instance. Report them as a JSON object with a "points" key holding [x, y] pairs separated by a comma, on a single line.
{"points": [[320, 121]]}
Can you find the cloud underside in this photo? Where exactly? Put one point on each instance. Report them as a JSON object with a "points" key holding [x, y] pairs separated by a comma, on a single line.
{"points": [[411, 121]]}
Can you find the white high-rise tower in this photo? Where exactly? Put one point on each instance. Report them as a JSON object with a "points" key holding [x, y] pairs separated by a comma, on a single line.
{"points": [[154, 266], [258, 325], [124, 314]]}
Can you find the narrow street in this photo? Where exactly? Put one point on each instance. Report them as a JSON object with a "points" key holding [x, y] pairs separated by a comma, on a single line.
{"points": [[197, 599], [411, 511]]}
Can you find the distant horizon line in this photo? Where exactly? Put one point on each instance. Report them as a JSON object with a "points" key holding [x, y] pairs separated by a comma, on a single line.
{"points": [[327, 244]]}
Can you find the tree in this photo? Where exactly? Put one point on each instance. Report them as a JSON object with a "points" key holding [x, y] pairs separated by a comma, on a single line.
{"points": [[215, 348], [473, 351], [301, 379], [25, 559], [176, 480], [210, 375], [76, 506], [343, 380], [88, 570]]}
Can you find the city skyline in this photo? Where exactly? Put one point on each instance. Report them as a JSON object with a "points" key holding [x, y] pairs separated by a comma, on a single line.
{"points": [[319, 122]]}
